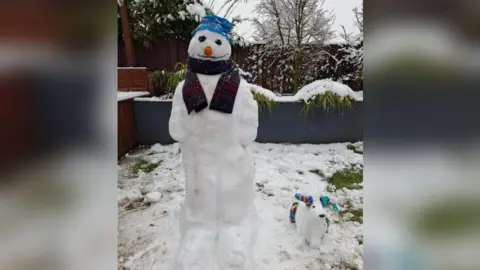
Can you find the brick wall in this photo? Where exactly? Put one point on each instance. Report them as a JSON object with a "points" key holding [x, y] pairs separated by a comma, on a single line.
{"points": [[133, 79]]}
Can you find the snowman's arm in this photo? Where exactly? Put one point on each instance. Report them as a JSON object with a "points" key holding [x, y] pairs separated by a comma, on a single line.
{"points": [[249, 119], [177, 115]]}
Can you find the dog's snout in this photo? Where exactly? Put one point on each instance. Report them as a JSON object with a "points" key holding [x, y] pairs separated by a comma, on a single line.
{"points": [[321, 215]]}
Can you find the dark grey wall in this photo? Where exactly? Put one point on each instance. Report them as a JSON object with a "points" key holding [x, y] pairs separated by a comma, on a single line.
{"points": [[151, 119], [284, 124]]}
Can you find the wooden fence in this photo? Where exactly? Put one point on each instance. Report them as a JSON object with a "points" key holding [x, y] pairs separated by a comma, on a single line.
{"points": [[270, 73], [166, 53]]}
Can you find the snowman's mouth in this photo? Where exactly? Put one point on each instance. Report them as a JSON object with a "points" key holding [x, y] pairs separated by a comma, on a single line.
{"points": [[211, 57]]}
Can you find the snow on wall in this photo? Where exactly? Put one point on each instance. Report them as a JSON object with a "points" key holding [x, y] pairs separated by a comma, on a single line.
{"points": [[166, 98], [128, 95], [308, 91], [305, 93]]}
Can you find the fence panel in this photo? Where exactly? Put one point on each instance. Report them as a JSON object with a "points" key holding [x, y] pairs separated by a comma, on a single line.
{"points": [[166, 54], [269, 72]]}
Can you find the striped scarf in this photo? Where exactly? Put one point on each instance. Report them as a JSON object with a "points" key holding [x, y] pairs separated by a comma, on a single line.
{"points": [[226, 90], [293, 212], [308, 200]]}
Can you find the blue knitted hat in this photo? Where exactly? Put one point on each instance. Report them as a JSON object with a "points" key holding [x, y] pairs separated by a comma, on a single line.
{"points": [[215, 24]]}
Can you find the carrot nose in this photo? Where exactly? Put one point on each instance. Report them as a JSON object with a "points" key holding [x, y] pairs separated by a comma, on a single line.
{"points": [[207, 50]]}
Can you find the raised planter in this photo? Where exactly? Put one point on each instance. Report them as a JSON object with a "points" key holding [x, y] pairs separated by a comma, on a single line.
{"points": [[126, 133], [284, 124]]}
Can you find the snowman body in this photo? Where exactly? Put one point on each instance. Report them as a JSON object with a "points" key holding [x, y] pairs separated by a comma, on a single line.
{"points": [[218, 213]]}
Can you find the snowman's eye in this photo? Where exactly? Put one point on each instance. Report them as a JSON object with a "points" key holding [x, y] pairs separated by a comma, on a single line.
{"points": [[202, 38], [313, 206], [218, 41]]}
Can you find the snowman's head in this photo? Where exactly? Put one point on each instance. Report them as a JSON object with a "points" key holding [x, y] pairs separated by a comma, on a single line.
{"points": [[210, 39], [208, 45]]}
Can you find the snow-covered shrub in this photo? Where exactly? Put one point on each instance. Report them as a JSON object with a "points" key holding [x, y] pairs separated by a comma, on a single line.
{"points": [[286, 68], [151, 19], [327, 94], [344, 64]]}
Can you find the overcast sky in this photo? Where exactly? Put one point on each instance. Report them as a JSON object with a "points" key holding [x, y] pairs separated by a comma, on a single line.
{"points": [[341, 8]]}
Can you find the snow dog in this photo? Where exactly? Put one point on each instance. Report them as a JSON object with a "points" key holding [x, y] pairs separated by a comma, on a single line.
{"points": [[310, 217]]}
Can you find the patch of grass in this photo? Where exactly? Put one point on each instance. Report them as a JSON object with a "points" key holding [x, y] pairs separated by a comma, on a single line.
{"points": [[143, 165], [356, 165], [134, 204], [347, 265], [263, 101], [357, 214], [317, 172], [348, 178], [330, 189], [355, 148], [328, 100]]}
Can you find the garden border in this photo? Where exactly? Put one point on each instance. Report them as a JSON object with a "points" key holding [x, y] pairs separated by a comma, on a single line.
{"points": [[284, 123]]}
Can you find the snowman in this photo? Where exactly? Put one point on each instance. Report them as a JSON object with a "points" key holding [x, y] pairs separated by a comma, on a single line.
{"points": [[214, 117]]}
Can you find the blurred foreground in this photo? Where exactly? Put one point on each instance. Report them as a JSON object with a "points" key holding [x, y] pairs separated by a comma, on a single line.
{"points": [[57, 135], [422, 147]]}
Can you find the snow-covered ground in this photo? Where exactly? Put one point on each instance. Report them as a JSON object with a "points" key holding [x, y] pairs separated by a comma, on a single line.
{"points": [[149, 204]]}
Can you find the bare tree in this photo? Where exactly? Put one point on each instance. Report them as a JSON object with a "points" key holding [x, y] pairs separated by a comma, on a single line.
{"points": [[226, 8], [359, 18], [297, 29], [348, 37], [294, 21], [358, 21]]}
